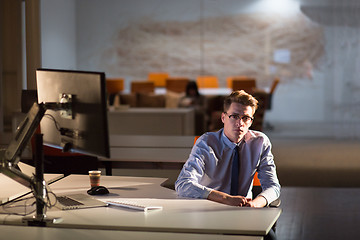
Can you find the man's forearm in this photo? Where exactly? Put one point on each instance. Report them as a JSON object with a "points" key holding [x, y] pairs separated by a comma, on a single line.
{"points": [[225, 198]]}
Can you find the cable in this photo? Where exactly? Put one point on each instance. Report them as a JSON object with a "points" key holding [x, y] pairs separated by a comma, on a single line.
{"points": [[57, 126], [10, 205], [28, 207]]}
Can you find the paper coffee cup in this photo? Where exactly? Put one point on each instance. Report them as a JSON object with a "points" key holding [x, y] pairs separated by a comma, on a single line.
{"points": [[94, 178]]}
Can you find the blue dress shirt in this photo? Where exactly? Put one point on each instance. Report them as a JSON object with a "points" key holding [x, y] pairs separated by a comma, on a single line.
{"points": [[209, 166]]}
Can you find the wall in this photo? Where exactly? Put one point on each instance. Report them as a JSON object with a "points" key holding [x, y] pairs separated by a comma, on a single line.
{"points": [[312, 47], [10, 54], [193, 38], [58, 38]]}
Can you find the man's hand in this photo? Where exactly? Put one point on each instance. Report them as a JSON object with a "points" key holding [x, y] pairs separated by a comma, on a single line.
{"points": [[227, 199], [258, 202], [240, 201]]}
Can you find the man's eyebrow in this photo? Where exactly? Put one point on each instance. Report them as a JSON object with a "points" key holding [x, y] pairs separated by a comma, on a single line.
{"points": [[239, 114]]}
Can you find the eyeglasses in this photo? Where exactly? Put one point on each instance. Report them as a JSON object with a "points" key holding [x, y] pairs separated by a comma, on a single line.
{"points": [[246, 119]]}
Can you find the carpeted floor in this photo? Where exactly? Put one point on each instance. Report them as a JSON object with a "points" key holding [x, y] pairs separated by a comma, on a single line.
{"points": [[319, 213], [320, 180], [317, 162]]}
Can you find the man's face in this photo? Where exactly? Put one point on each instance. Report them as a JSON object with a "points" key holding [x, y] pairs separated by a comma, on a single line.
{"points": [[237, 121]]}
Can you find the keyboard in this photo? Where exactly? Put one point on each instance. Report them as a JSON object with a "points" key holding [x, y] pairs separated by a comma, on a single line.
{"points": [[133, 205], [66, 201]]}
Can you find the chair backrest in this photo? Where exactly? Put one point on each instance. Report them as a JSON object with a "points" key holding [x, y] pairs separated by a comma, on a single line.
{"points": [[274, 85], [207, 82], [176, 84], [256, 180], [159, 78], [142, 87], [114, 85], [247, 84], [229, 80]]}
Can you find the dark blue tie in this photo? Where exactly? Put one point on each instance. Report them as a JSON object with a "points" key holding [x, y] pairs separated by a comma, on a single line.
{"points": [[235, 172]]}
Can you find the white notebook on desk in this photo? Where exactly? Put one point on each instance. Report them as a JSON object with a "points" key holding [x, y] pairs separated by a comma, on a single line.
{"points": [[142, 204]]}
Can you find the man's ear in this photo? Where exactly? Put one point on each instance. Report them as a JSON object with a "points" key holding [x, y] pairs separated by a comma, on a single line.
{"points": [[222, 117]]}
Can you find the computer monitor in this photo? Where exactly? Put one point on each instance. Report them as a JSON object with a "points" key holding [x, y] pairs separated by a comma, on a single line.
{"points": [[85, 128]]}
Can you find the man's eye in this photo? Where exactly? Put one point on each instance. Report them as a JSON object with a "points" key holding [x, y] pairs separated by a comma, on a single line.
{"points": [[246, 118], [235, 117]]}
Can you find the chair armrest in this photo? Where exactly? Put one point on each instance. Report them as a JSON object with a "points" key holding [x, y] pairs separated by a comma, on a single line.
{"points": [[276, 203]]}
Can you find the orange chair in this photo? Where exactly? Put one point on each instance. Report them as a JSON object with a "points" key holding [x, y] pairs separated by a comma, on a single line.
{"points": [[114, 85], [142, 87], [159, 78], [176, 84], [207, 82]]}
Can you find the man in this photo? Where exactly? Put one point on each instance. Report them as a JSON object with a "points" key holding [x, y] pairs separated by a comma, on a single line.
{"points": [[209, 172]]}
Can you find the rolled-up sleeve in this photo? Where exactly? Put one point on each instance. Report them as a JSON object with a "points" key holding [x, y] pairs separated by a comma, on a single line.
{"points": [[188, 182], [267, 174]]}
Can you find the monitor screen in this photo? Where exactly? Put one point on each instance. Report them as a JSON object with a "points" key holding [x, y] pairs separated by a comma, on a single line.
{"points": [[85, 128]]}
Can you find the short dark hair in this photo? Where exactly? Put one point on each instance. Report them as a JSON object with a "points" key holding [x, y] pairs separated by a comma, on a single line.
{"points": [[241, 97]]}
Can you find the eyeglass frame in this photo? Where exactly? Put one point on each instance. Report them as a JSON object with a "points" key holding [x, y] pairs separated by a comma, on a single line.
{"points": [[237, 117]]}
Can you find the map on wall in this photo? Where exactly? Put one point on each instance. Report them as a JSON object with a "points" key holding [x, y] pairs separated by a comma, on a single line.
{"points": [[260, 46]]}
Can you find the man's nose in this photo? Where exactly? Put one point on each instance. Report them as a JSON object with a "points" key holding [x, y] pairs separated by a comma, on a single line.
{"points": [[239, 122]]}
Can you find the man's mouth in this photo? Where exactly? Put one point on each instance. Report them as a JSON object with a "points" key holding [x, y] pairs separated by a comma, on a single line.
{"points": [[238, 130]]}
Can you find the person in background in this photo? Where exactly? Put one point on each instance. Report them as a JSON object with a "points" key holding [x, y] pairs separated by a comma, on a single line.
{"points": [[209, 172], [193, 99]]}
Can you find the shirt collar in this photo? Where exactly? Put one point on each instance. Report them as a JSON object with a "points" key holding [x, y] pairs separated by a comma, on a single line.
{"points": [[232, 145]]}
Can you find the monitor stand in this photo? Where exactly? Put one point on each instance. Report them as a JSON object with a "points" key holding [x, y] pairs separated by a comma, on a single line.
{"points": [[40, 191], [11, 157]]}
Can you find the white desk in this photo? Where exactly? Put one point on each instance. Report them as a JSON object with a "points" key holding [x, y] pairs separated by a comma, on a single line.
{"points": [[11, 189], [152, 121], [178, 215], [150, 148], [127, 150], [40, 233], [203, 91]]}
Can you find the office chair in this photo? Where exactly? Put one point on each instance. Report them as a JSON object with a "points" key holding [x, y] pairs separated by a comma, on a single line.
{"points": [[247, 83], [207, 82], [176, 84], [158, 78], [142, 87], [244, 83], [271, 92], [113, 87], [257, 190]]}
